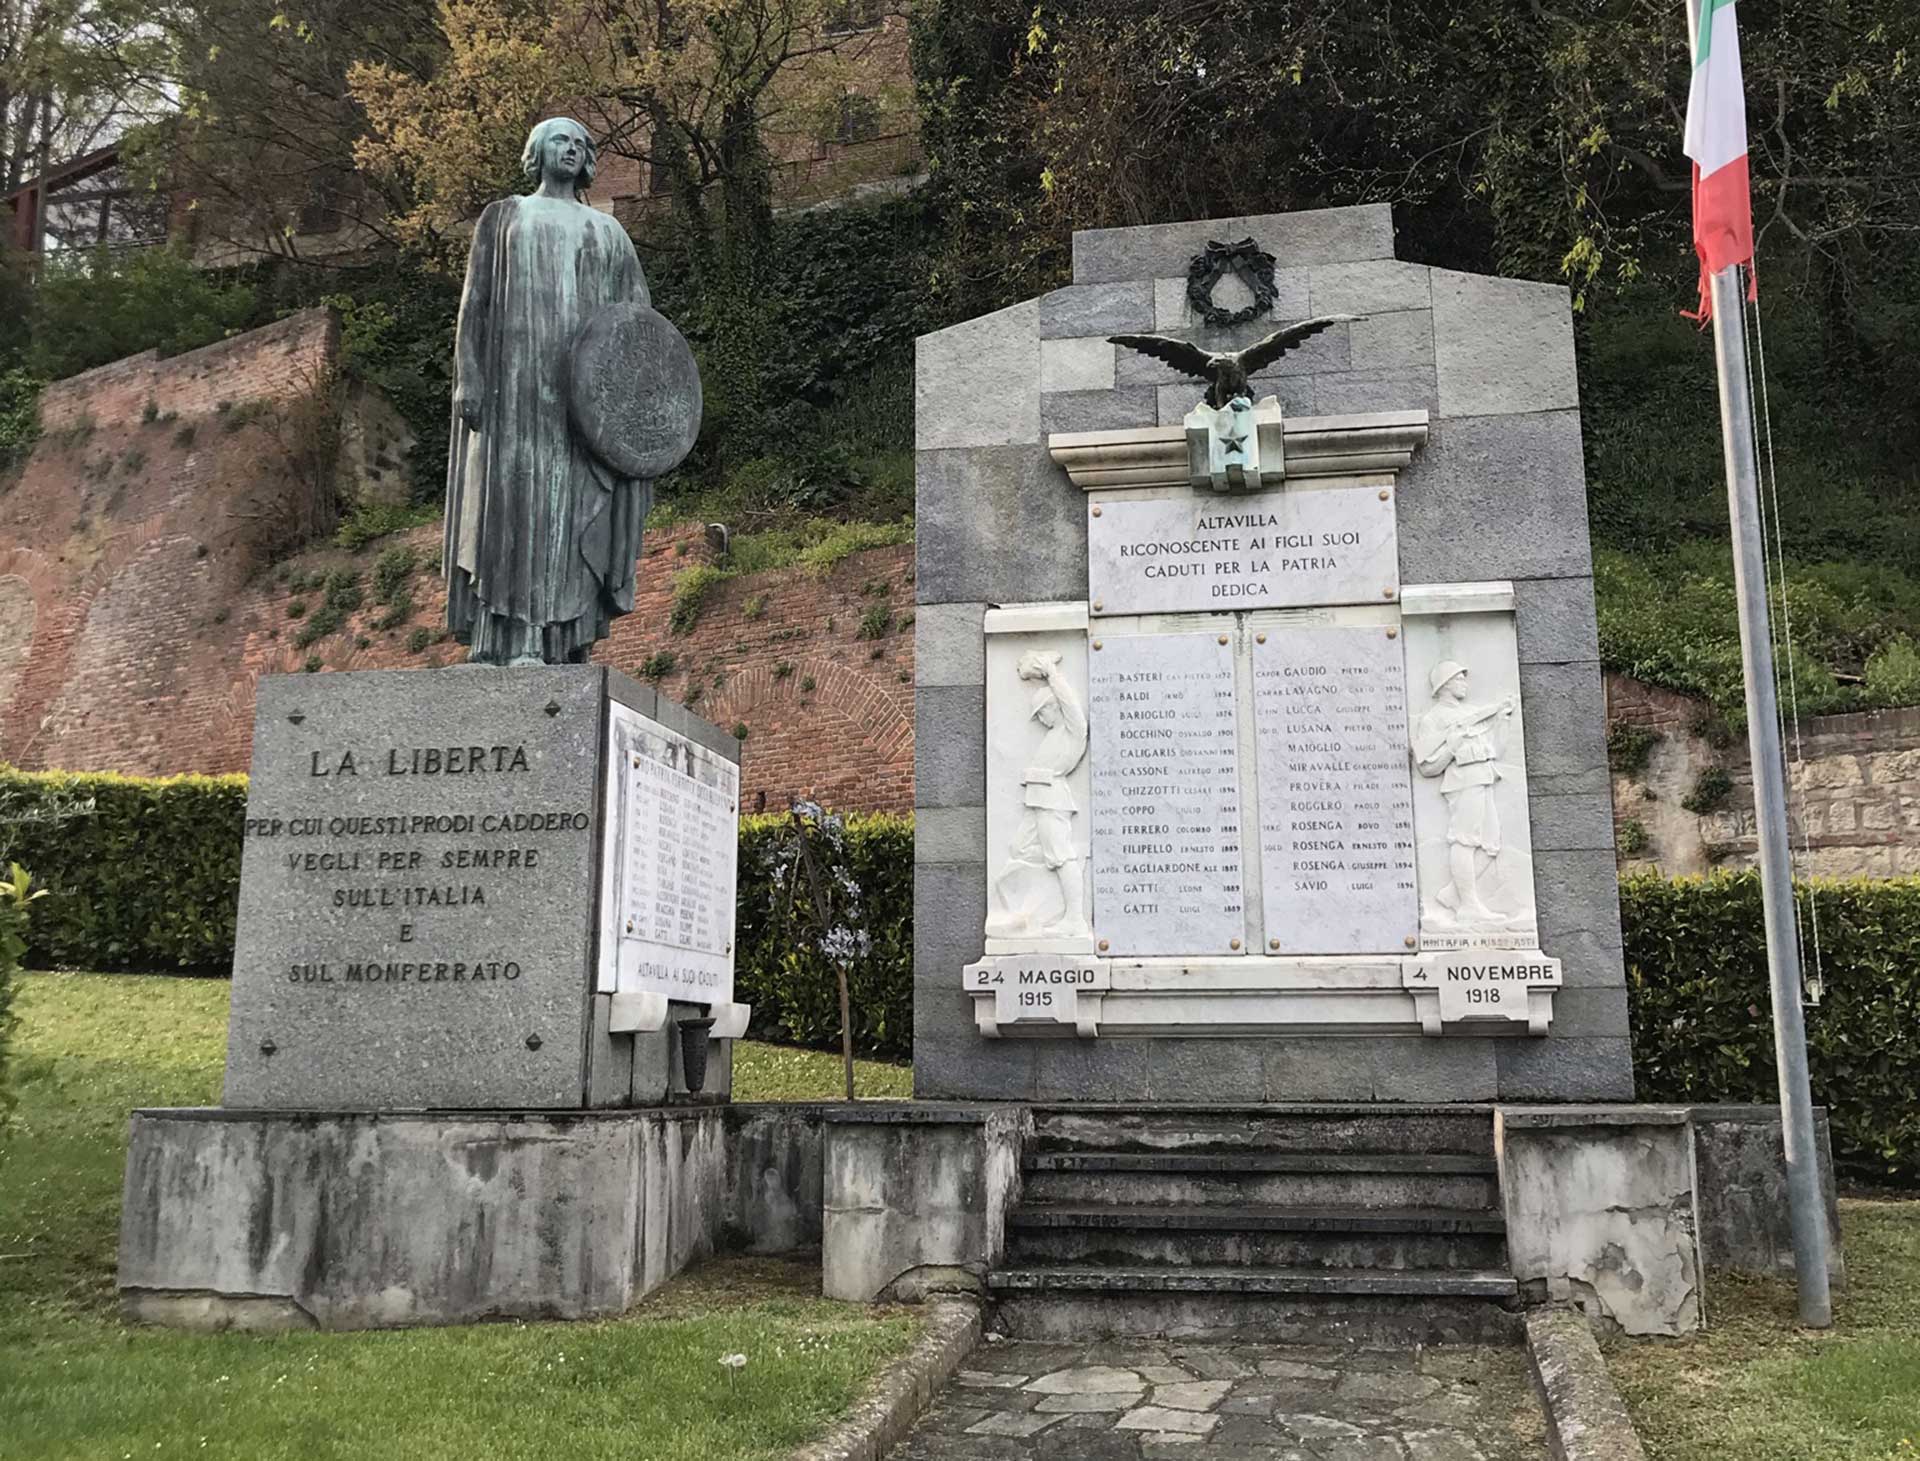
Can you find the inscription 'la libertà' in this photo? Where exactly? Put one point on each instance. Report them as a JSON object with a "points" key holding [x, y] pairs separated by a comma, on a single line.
{"points": [[424, 761]]}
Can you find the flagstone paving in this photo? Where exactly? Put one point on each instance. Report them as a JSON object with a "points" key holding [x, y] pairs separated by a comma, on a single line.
{"points": [[1147, 1400]]}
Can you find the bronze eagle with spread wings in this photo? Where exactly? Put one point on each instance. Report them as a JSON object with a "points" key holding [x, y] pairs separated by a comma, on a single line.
{"points": [[1227, 371]]}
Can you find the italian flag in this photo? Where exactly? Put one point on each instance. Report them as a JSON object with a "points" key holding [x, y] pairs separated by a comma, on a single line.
{"points": [[1717, 143]]}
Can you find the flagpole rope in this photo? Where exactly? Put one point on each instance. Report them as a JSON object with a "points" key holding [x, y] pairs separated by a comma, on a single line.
{"points": [[1771, 566], [1770, 505]]}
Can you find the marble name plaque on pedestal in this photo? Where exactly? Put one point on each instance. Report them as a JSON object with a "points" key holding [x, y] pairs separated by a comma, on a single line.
{"points": [[670, 863], [1298, 546], [1336, 800], [1166, 794]]}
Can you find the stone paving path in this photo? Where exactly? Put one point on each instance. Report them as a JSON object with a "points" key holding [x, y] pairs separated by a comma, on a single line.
{"points": [[1146, 1400]]}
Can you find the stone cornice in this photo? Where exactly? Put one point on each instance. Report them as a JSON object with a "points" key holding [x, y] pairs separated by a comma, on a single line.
{"points": [[1315, 446]]}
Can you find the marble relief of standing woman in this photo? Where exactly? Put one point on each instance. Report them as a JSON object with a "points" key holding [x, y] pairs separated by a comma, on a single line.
{"points": [[541, 535]]}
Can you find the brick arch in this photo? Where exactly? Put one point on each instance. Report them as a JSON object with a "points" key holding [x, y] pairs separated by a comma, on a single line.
{"points": [[846, 741]]}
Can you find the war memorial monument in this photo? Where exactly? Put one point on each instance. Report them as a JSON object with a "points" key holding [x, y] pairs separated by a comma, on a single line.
{"points": [[1267, 959]]}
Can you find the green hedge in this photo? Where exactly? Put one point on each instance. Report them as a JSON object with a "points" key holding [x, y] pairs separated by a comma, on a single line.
{"points": [[1702, 1022], [793, 991], [144, 874], [139, 873], [15, 894]]}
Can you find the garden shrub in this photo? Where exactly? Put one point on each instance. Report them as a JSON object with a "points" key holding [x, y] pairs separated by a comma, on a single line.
{"points": [[145, 874], [15, 893], [1702, 1022], [91, 309], [139, 873], [791, 987]]}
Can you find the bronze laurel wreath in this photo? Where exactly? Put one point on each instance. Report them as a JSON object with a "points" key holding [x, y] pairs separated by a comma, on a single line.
{"points": [[1253, 265]]}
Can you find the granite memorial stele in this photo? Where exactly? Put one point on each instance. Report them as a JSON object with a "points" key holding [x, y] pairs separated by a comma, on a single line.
{"points": [[1333, 821], [500, 885], [482, 1007]]}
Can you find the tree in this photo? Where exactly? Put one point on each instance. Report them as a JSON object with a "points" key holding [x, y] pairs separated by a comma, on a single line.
{"points": [[74, 74], [805, 866], [691, 89], [1542, 140], [265, 135]]}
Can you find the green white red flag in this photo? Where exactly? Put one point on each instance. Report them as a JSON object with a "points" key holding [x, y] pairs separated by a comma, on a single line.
{"points": [[1717, 143]]}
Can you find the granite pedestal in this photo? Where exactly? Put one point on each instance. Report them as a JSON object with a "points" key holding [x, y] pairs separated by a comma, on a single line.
{"points": [[475, 904], [421, 895]]}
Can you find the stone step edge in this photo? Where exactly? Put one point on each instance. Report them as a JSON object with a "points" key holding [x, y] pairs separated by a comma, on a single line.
{"points": [[1331, 1111], [1220, 1218], [1401, 1282], [1388, 1163], [1119, 1144]]}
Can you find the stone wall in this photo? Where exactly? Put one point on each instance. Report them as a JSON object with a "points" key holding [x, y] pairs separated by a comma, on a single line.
{"points": [[139, 609], [156, 491], [145, 585], [1854, 800]]}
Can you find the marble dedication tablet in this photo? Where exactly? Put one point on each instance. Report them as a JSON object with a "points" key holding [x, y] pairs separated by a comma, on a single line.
{"points": [[1166, 794], [669, 864], [1299, 546], [1336, 799], [416, 890]]}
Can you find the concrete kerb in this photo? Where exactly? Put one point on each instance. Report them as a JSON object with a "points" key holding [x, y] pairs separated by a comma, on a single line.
{"points": [[901, 1394], [1586, 1419]]}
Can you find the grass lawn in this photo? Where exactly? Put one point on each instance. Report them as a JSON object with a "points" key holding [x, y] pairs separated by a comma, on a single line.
{"points": [[76, 1382], [1758, 1387]]}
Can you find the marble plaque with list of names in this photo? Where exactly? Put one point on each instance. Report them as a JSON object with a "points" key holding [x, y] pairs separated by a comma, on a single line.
{"points": [[670, 863], [1336, 796], [1165, 794]]}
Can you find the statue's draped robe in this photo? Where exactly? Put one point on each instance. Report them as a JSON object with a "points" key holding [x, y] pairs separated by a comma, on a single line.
{"points": [[541, 536]]}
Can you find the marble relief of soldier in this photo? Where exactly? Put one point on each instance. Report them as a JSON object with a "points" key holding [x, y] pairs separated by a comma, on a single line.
{"points": [[1460, 744], [569, 395], [1043, 843]]}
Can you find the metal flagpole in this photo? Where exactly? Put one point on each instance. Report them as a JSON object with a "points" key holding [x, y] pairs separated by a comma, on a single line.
{"points": [[1806, 1209]]}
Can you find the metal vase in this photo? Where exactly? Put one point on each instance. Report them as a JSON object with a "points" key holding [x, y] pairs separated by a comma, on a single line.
{"points": [[693, 1053]]}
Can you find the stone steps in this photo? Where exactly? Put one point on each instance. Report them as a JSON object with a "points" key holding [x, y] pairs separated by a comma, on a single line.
{"points": [[1414, 1282], [1121, 1236], [1262, 1179], [1068, 1316], [1285, 1223], [1268, 1219], [1213, 1129], [1255, 1161]]}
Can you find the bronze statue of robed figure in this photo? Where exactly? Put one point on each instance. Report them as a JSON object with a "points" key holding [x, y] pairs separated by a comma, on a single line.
{"points": [[571, 395]]}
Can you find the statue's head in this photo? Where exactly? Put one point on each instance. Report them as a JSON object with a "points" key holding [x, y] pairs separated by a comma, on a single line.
{"points": [[1448, 680], [562, 148]]}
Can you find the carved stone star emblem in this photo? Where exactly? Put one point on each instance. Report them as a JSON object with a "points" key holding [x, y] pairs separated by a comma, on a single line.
{"points": [[1234, 441]]}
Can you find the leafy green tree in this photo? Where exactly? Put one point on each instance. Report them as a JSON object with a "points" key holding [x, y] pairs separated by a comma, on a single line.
{"points": [[74, 74], [105, 306], [263, 140], [1539, 140]]}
